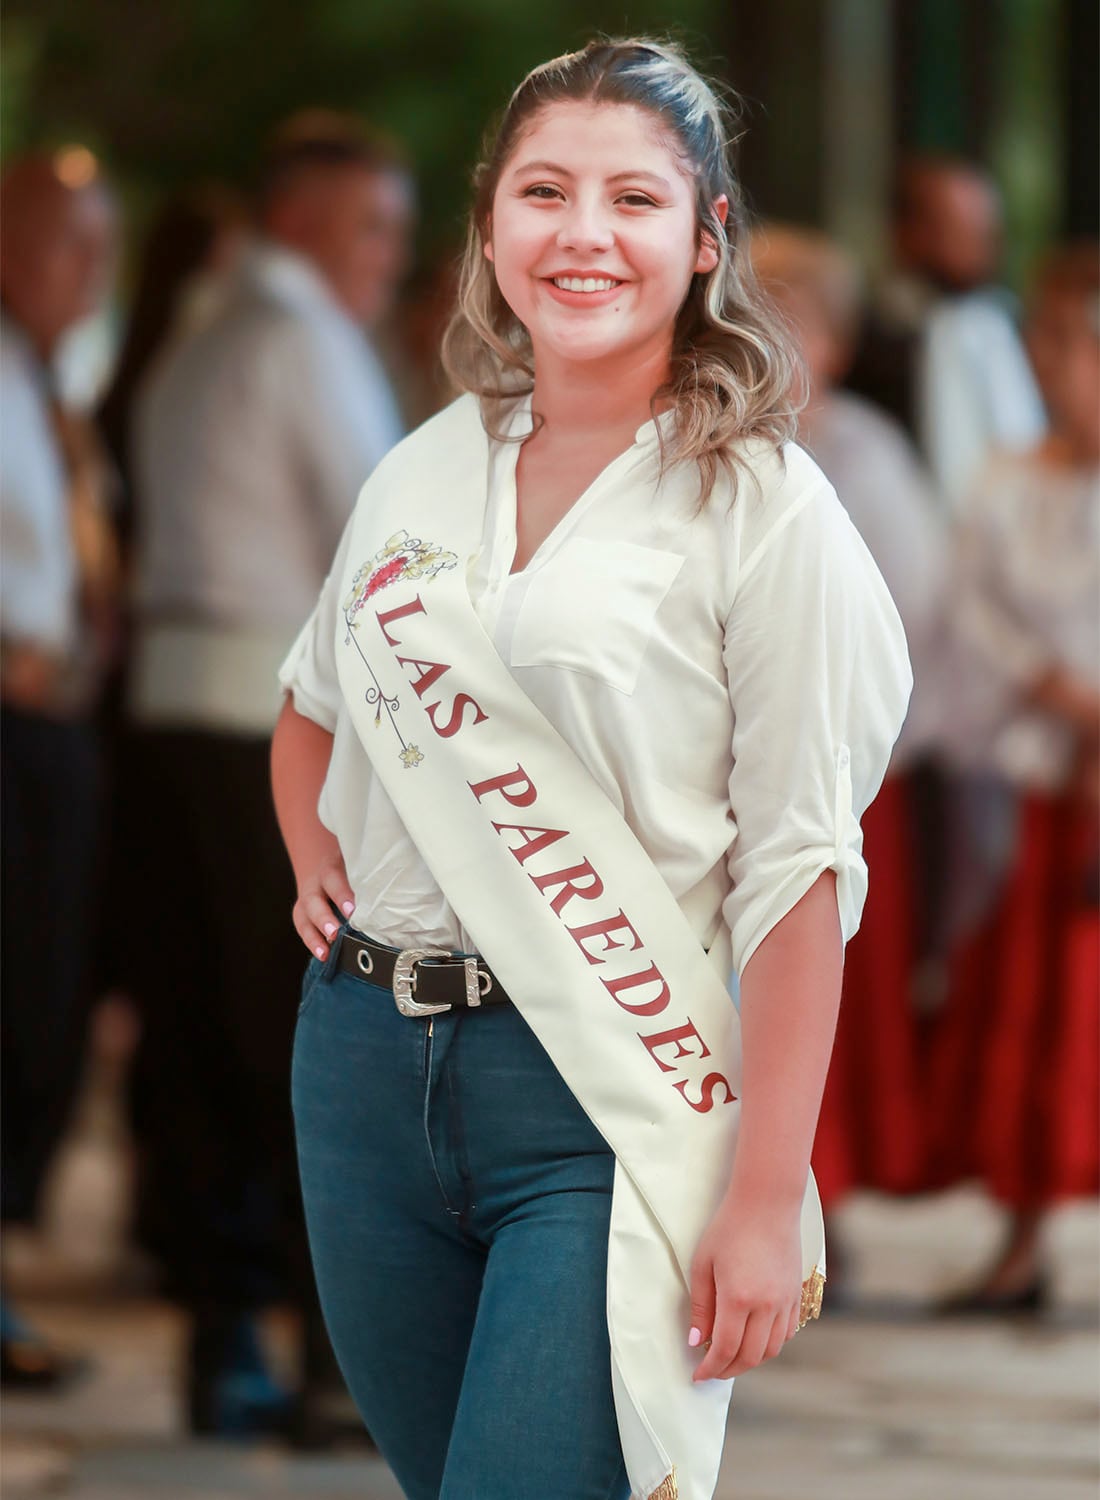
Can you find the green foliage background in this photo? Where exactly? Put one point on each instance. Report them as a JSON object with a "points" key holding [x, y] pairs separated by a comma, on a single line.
{"points": [[173, 90]]}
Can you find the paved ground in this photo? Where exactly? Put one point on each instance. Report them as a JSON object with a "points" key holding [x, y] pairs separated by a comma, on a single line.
{"points": [[881, 1402]]}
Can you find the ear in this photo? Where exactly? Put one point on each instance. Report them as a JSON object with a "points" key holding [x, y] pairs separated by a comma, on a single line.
{"points": [[487, 242], [707, 258]]}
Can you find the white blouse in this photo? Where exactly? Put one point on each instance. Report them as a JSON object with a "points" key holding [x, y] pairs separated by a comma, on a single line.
{"points": [[733, 677], [1026, 599]]}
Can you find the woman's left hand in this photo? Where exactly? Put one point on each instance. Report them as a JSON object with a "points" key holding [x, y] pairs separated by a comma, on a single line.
{"points": [[746, 1286]]}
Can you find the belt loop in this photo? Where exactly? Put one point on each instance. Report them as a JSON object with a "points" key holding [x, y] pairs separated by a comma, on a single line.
{"points": [[478, 981]]}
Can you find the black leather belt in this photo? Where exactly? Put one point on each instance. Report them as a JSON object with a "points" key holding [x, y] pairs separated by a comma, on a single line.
{"points": [[424, 981]]}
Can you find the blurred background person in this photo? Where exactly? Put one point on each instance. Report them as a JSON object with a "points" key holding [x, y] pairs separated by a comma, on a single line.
{"points": [[941, 351], [250, 441], [1016, 1091], [58, 597], [184, 269], [871, 1129]]}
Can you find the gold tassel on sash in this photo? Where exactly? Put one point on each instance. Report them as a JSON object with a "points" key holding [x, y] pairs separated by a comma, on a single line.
{"points": [[813, 1290]]}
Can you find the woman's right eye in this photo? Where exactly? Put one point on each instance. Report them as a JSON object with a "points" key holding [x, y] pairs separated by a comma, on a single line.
{"points": [[542, 190]]}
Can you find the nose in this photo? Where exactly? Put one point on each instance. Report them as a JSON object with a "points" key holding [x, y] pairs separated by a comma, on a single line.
{"points": [[585, 227]]}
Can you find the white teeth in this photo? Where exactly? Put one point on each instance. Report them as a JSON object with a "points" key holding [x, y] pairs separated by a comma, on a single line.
{"points": [[584, 283]]}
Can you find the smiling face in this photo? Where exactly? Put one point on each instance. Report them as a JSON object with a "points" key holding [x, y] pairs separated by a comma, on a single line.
{"points": [[593, 236]]}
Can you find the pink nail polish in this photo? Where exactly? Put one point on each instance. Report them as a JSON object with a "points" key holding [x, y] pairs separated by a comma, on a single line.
{"points": [[320, 952], [695, 1338], [347, 908], [330, 929]]}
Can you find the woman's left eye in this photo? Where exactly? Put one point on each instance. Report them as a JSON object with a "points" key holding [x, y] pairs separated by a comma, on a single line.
{"points": [[637, 200]]}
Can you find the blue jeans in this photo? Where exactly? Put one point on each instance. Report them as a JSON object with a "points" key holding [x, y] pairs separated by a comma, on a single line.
{"points": [[458, 1202]]}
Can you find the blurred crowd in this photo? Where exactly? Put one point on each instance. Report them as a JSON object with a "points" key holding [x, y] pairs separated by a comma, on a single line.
{"points": [[168, 516]]}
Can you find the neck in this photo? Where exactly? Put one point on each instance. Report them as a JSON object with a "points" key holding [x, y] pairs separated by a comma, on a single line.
{"points": [[588, 396]]}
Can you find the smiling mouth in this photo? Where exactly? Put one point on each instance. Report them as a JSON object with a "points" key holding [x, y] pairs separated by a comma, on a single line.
{"points": [[585, 283]]}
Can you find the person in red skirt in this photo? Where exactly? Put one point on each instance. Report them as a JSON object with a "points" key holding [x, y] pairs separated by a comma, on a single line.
{"points": [[1016, 1071], [870, 1132]]}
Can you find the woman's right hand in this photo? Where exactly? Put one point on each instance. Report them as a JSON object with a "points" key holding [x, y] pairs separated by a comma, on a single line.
{"points": [[321, 888]]}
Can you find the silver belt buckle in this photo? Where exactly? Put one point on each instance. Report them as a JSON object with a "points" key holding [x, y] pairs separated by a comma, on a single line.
{"points": [[404, 981]]}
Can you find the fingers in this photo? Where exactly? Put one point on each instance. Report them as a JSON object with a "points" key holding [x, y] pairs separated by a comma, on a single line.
{"points": [[702, 1302], [792, 1321], [778, 1336], [745, 1337], [725, 1340], [334, 883], [314, 924], [314, 919]]}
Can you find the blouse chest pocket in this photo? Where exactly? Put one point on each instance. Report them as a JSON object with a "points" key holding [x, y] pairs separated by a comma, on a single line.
{"points": [[591, 608]]}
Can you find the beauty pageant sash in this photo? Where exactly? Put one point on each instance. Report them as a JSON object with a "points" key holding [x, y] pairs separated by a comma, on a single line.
{"points": [[568, 910]]}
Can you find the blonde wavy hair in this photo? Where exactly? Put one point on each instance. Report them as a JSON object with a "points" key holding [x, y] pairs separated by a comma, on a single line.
{"points": [[735, 373]]}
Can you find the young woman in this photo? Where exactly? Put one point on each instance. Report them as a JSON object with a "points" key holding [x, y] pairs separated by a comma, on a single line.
{"points": [[587, 713], [1016, 1079]]}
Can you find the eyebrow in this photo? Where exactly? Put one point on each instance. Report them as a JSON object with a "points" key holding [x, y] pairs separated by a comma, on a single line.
{"points": [[555, 170]]}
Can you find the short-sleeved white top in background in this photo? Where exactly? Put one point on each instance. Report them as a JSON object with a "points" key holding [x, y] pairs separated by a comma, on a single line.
{"points": [[733, 678], [1026, 599]]}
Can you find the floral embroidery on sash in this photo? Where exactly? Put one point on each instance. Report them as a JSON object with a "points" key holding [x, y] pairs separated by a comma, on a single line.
{"points": [[401, 559]]}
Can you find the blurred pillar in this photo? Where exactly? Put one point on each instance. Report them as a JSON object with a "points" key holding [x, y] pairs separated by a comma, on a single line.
{"points": [[773, 52], [1010, 84], [1081, 48], [815, 76], [857, 127], [835, 89], [943, 73], [1025, 146]]}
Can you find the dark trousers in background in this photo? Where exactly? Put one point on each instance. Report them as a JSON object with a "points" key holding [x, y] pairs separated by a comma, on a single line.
{"points": [[50, 791], [216, 965]]}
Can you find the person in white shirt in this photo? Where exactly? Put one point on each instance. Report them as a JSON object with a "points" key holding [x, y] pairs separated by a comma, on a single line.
{"points": [[941, 351], [1016, 1077], [57, 238], [251, 438], [665, 593], [871, 1131]]}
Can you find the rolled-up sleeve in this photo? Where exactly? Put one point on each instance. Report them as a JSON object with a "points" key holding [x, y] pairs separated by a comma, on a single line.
{"points": [[308, 673], [819, 681]]}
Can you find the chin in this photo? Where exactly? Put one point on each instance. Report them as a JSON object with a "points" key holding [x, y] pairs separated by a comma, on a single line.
{"points": [[628, 357]]}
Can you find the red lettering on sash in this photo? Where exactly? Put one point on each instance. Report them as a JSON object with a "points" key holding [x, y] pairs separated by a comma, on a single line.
{"points": [[677, 1035], [462, 702], [522, 797], [652, 975], [385, 617], [543, 838], [428, 673], [567, 879], [603, 928], [705, 1103]]}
